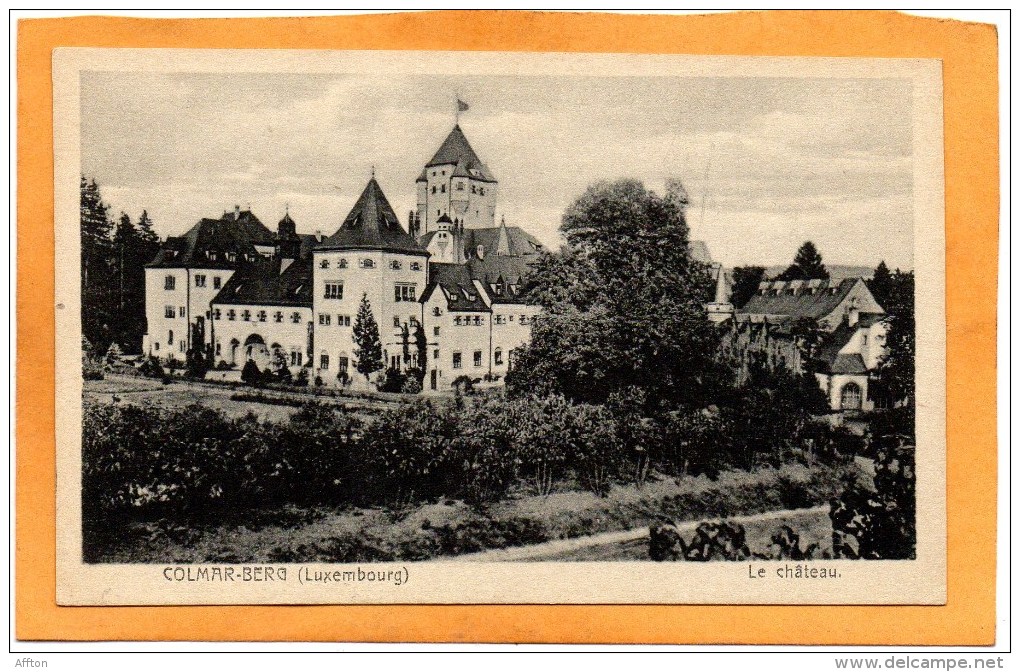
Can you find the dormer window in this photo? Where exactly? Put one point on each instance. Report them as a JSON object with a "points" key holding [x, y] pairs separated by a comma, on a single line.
{"points": [[415, 266]]}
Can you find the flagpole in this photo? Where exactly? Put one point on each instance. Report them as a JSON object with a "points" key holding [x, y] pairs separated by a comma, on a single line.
{"points": [[456, 108]]}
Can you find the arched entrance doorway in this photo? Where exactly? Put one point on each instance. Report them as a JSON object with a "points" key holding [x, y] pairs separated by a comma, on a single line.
{"points": [[255, 350], [850, 397]]}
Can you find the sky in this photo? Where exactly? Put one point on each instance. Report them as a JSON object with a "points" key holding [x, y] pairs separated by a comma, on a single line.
{"points": [[768, 162]]}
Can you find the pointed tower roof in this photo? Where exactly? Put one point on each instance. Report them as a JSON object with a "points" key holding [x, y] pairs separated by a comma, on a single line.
{"points": [[504, 246], [457, 151], [372, 225]]}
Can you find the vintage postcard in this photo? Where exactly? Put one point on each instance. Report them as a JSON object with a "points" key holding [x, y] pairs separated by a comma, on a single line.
{"points": [[376, 327]]}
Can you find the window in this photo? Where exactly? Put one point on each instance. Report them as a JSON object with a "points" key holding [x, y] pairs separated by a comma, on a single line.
{"points": [[395, 362], [478, 321], [524, 319], [456, 321], [216, 282], [199, 281], [415, 266], [500, 319], [278, 316], [231, 314], [342, 364], [481, 191], [433, 187], [443, 188], [343, 320], [246, 315], [295, 318], [156, 346], [334, 290], [262, 316], [435, 353], [478, 357], [295, 357], [402, 292], [231, 256], [170, 282], [169, 312], [456, 360], [183, 346], [395, 265], [218, 349], [170, 338], [436, 312], [850, 397], [324, 361], [473, 189], [324, 263], [341, 263], [216, 314], [435, 331], [497, 357], [864, 340], [460, 186], [324, 319], [511, 318], [367, 263], [396, 321]]}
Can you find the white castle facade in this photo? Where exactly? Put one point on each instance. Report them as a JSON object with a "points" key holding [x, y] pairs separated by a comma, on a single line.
{"points": [[244, 292]]}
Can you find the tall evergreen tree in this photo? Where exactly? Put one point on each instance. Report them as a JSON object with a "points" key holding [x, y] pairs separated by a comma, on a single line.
{"points": [[807, 265], [97, 295], [368, 345], [897, 368], [881, 283], [745, 284]]}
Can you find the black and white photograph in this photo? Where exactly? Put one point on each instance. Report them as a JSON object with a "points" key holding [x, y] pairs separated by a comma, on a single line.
{"points": [[372, 320]]}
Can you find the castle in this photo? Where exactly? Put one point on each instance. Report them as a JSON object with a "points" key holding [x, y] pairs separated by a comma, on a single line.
{"points": [[244, 292]]}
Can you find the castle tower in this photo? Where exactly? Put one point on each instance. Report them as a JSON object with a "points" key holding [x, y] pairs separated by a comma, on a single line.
{"points": [[720, 309], [456, 183]]}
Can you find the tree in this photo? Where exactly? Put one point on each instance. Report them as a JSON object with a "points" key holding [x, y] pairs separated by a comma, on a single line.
{"points": [[624, 302], [745, 284], [279, 365], [807, 265], [368, 346], [881, 283], [421, 344], [97, 299], [896, 369]]}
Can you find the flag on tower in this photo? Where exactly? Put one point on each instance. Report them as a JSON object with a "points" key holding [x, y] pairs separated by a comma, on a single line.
{"points": [[461, 106]]}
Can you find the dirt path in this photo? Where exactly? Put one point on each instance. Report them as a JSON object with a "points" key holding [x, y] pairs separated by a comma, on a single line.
{"points": [[565, 549]]}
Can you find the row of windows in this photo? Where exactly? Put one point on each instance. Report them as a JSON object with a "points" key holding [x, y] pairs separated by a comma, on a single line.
{"points": [[402, 292], [170, 312], [502, 319], [395, 264], [466, 321], [460, 187], [497, 356], [170, 281], [325, 319], [183, 345], [260, 316]]}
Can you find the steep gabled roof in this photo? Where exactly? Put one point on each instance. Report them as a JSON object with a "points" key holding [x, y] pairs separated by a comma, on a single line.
{"points": [[459, 289], [797, 299], [235, 232], [262, 284], [372, 225], [457, 151]]}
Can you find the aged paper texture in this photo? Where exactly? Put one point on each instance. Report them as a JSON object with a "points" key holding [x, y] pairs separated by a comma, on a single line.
{"points": [[148, 519]]}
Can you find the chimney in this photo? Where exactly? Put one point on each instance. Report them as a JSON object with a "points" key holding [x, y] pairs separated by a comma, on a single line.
{"points": [[318, 235], [237, 212]]}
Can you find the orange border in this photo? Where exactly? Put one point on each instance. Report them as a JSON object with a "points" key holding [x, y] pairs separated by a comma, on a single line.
{"points": [[969, 54]]}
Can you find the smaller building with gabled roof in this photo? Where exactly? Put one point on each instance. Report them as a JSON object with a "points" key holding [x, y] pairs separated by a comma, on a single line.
{"points": [[844, 322]]}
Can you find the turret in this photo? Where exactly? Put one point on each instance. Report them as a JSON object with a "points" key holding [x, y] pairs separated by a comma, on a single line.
{"points": [[288, 244]]}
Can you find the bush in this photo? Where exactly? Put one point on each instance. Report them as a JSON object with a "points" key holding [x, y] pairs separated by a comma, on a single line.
{"points": [[392, 381], [411, 386], [302, 377], [151, 368], [251, 374], [463, 384], [223, 366]]}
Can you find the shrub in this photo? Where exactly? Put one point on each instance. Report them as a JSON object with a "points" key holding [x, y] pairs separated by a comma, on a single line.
{"points": [[302, 377], [318, 381], [251, 374], [411, 386], [879, 524], [223, 366], [392, 381], [463, 384], [152, 368]]}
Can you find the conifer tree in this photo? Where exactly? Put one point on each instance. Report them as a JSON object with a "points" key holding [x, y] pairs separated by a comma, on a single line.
{"points": [[807, 265], [368, 345], [881, 283]]}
